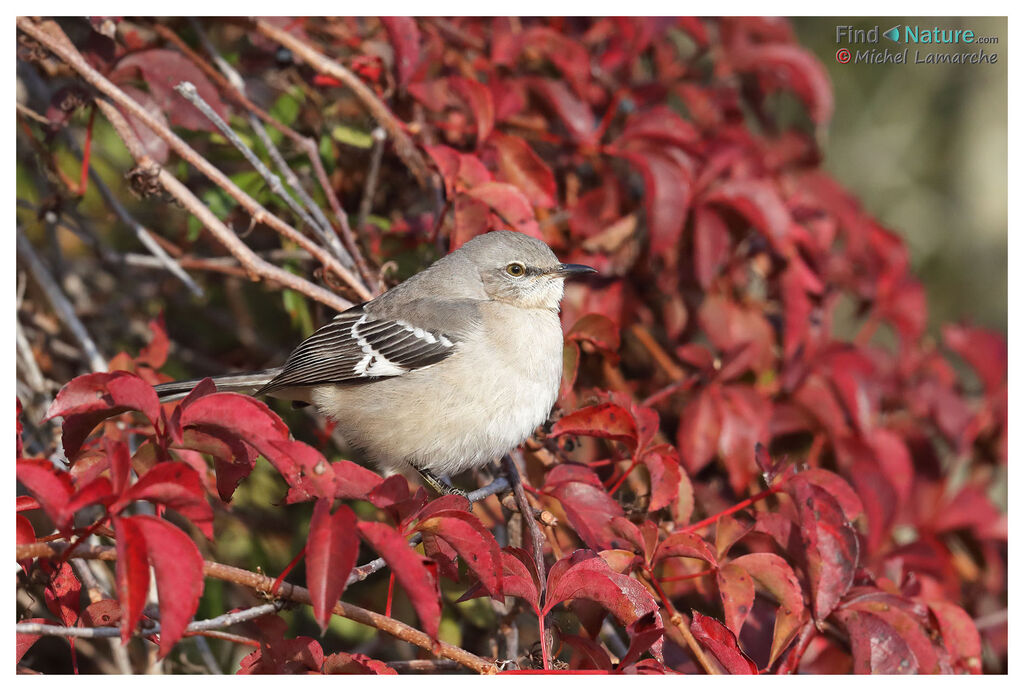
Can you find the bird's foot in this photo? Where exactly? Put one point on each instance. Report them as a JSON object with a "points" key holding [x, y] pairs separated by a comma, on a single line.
{"points": [[440, 485]]}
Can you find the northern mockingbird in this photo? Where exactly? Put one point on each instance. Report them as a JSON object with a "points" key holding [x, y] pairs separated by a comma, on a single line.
{"points": [[447, 371]]}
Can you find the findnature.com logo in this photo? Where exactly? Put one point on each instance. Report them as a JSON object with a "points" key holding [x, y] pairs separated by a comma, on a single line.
{"points": [[914, 34]]}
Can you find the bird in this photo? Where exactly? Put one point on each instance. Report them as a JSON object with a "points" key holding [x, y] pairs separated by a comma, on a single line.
{"points": [[449, 370]]}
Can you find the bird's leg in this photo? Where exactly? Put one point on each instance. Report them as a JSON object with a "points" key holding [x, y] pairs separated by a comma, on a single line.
{"points": [[438, 485]]}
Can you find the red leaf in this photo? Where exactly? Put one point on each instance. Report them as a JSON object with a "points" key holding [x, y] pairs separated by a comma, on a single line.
{"points": [[101, 613], [983, 350], [63, 592], [177, 486], [577, 115], [353, 481], [831, 543], [729, 530], [774, 575], [722, 644], [699, 429], [24, 641], [178, 569], [520, 165], [306, 471], [91, 398], [711, 244], [791, 67], [835, 486], [162, 70], [668, 188], [568, 55], [52, 489], [596, 329], [737, 592], [730, 326], [409, 569], [331, 551], [759, 203], [519, 578], [153, 144], [685, 545], [660, 126], [607, 421], [132, 572], [877, 647], [474, 543], [242, 416], [24, 533], [345, 663], [154, 354], [478, 97], [907, 620], [510, 205], [589, 510], [745, 416], [570, 472], [590, 578], [662, 464], [404, 36], [959, 636]]}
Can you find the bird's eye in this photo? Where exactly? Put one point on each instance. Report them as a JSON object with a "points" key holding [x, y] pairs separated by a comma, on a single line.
{"points": [[515, 269]]}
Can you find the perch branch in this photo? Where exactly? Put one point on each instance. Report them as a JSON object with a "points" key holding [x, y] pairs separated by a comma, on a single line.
{"points": [[264, 584]]}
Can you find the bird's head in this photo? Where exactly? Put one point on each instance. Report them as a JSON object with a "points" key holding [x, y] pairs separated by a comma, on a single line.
{"points": [[520, 270]]}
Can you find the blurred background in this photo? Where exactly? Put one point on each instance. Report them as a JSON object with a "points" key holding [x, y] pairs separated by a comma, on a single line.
{"points": [[924, 148]]}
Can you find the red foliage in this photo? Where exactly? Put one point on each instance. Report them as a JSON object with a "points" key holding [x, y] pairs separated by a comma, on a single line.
{"points": [[700, 362]]}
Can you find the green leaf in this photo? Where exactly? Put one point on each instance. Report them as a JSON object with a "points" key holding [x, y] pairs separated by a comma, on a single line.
{"points": [[352, 137]]}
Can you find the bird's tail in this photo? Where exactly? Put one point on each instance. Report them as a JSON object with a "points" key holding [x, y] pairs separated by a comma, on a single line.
{"points": [[247, 383]]}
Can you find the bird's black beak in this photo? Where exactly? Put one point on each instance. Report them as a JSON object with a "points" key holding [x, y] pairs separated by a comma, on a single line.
{"points": [[568, 270]]}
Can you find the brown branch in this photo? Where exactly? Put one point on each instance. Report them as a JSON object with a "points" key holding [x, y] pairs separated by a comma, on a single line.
{"points": [[253, 264], [404, 146], [53, 38], [264, 584], [233, 87], [526, 511]]}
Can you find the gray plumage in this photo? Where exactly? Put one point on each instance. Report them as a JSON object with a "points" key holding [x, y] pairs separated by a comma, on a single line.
{"points": [[449, 370]]}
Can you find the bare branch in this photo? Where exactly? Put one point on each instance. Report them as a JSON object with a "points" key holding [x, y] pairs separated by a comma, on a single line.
{"points": [[526, 511], [253, 264], [265, 584], [404, 147], [49, 34], [60, 303], [379, 137], [234, 88]]}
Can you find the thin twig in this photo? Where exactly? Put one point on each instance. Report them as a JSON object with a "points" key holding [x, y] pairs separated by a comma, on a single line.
{"points": [[526, 511], [60, 303], [379, 137], [141, 232], [404, 147], [33, 375], [203, 646], [264, 584], [425, 666], [253, 264], [50, 35], [234, 88], [189, 92], [361, 573]]}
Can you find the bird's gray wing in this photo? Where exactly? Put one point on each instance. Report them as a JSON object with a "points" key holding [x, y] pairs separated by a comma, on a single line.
{"points": [[359, 345]]}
